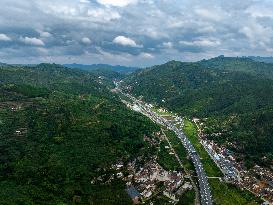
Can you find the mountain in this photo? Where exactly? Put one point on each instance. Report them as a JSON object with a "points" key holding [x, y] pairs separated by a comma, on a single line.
{"points": [[262, 59], [243, 64], [61, 130], [234, 96], [116, 68]]}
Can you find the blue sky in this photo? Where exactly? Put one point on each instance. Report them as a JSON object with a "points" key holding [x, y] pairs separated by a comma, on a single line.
{"points": [[133, 32]]}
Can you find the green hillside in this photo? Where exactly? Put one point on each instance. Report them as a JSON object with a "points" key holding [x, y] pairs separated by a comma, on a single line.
{"points": [[237, 102], [60, 129], [247, 65]]}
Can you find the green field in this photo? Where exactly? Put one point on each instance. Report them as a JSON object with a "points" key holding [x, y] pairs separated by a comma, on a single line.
{"points": [[228, 194], [180, 150], [187, 198], [166, 160], [210, 167]]}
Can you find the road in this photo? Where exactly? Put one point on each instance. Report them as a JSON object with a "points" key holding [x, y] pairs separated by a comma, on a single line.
{"points": [[204, 189], [181, 165]]}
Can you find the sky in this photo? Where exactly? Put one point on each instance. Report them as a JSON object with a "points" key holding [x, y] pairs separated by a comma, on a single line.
{"points": [[133, 32]]}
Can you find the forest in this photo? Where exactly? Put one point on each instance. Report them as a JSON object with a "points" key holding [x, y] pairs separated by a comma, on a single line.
{"points": [[60, 128]]}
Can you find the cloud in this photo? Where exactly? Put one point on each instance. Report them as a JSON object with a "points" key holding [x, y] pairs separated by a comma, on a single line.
{"points": [[210, 15], [72, 11], [257, 34], [84, 1], [45, 34], [4, 37], [32, 41], [133, 32], [260, 11], [86, 41], [146, 55], [125, 41], [167, 44], [102, 14], [119, 3], [210, 42]]}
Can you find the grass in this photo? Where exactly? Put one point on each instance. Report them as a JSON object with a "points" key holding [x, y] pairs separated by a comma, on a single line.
{"points": [[159, 200], [187, 198], [228, 194], [166, 160], [180, 150], [210, 167]]}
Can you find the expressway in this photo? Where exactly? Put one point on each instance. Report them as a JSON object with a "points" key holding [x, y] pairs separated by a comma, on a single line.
{"points": [[204, 189]]}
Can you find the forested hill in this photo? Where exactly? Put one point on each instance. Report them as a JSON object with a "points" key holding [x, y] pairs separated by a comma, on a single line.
{"points": [[60, 129], [243, 64], [116, 68], [56, 77], [237, 102]]}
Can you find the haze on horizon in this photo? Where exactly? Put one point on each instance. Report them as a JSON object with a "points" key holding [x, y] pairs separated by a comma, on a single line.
{"points": [[133, 32]]}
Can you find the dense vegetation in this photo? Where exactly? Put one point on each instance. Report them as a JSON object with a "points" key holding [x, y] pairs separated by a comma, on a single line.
{"points": [[247, 65], [234, 95], [117, 68], [59, 130]]}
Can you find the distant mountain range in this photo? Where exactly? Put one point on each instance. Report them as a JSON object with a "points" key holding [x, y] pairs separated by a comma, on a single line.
{"points": [[116, 68], [261, 59]]}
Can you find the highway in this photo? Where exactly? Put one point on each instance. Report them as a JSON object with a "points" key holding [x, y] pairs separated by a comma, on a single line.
{"points": [[204, 189]]}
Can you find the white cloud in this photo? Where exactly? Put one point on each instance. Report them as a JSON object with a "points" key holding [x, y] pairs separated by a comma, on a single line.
{"points": [[75, 12], [103, 14], [119, 3], [84, 1], [4, 37], [121, 57], [257, 34], [32, 41], [210, 42], [86, 41], [212, 15], [260, 11], [125, 41], [167, 44], [45, 34], [146, 55], [42, 51]]}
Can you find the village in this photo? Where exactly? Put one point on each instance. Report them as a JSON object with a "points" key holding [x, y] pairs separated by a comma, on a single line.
{"points": [[151, 180], [258, 180]]}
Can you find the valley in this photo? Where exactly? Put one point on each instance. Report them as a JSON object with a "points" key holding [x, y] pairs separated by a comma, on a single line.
{"points": [[169, 152]]}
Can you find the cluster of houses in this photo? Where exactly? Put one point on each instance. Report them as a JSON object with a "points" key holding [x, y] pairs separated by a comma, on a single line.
{"points": [[148, 180], [151, 179], [258, 180]]}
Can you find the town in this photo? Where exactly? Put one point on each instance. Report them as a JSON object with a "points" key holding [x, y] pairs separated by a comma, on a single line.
{"points": [[149, 180], [257, 180]]}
